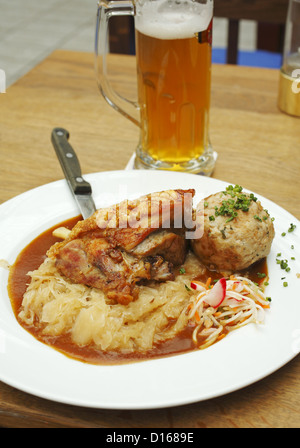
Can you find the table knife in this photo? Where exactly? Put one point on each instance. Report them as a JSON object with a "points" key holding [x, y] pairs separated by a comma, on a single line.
{"points": [[80, 188]]}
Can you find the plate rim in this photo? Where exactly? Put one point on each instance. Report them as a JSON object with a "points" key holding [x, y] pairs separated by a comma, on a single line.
{"points": [[133, 174]]}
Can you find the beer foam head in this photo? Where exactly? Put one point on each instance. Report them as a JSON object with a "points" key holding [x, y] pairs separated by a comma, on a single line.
{"points": [[169, 19]]}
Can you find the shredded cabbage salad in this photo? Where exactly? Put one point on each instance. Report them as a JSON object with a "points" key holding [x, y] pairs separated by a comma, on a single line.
{"points": [[228, 305]]}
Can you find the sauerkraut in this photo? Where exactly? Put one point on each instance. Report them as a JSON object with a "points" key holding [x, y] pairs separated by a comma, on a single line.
{"points": [[58, 307]]}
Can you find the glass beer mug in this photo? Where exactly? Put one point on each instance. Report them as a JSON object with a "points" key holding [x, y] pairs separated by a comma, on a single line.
{"points": [[173, 53], [289, 81]]}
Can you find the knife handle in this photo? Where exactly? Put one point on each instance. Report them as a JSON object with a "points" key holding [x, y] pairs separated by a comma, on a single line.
{"points": [[69, 161]]}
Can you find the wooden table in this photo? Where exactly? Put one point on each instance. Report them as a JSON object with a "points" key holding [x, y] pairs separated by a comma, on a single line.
{"points": [[258, 147]]}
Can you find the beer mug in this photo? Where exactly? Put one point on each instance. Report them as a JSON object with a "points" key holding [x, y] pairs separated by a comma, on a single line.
{"points": [[173, 53], [289, 80]]}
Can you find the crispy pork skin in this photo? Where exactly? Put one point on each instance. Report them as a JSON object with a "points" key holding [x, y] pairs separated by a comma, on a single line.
{"points": [[122, 246]]}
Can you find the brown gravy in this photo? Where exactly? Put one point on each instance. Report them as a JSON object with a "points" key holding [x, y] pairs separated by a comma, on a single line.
{"points": [[33, 255]]}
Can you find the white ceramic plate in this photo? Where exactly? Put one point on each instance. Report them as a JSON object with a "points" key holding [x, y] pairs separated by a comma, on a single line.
{"points": [[243, 357]]}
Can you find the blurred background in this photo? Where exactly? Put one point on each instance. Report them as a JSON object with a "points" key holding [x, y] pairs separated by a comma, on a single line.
{"points": [[31, 29]]}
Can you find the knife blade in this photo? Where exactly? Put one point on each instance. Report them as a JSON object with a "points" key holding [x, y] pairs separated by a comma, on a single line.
{"points": [[80, 188]]}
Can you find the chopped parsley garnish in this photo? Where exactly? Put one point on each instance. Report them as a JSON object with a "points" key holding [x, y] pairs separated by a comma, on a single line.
{"points": [[284, 265], [237, 201], [292, 227], [223, 233], [181, 271]]}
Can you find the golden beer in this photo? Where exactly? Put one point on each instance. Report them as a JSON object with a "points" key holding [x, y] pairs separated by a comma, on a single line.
{"points": [[174, 95], [173, 49], [174, 81]]}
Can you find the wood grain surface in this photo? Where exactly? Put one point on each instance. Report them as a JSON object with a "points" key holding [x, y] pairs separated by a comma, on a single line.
{"points": [[258, 147]]}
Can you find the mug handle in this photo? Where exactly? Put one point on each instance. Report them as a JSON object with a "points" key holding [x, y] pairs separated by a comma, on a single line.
{"points": [[106, 10]]}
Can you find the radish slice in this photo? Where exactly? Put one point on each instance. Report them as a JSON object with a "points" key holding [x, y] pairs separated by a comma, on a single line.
{"points": [[233, 301], [197, 287], [238, 287], [216, 295]]}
